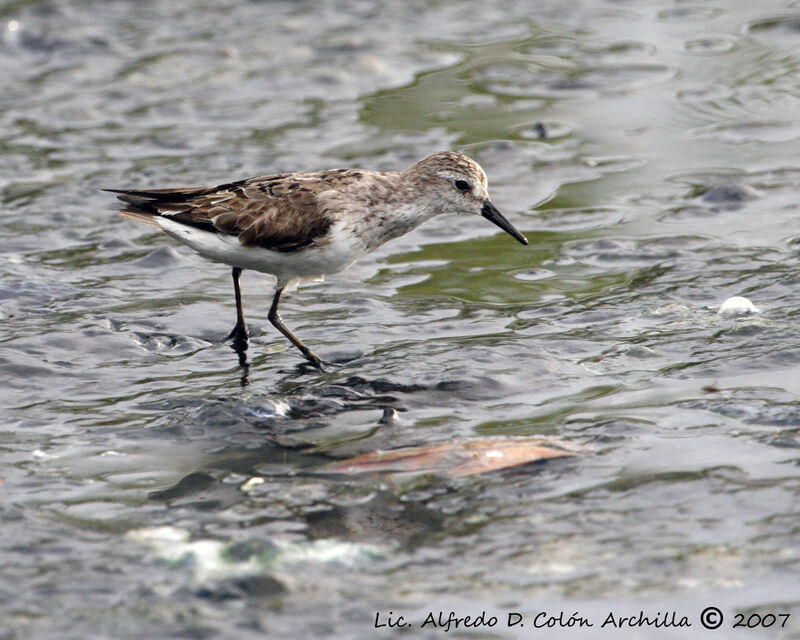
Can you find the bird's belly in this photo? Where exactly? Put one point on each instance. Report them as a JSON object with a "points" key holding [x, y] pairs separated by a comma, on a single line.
{"points": [[338, 251]]}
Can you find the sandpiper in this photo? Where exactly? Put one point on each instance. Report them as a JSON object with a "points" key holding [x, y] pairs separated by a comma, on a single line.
{"points": [[303, 226]]}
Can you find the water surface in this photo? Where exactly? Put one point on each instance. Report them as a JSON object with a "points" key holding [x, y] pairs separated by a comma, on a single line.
{"points": [[152, 487]]}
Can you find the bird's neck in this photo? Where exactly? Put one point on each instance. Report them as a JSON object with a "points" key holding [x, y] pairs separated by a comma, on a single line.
{"points": [[392, 207]]}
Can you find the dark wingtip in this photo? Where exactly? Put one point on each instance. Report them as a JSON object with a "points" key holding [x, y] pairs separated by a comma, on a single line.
{"points": [[120, 191]]}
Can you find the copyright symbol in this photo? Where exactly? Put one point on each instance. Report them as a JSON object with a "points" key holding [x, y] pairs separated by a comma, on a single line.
{"points": [[711, 618]]}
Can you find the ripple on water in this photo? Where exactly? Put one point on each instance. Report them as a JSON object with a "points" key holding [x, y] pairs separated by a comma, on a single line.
{"points": [[688, 14], [535, 80], [710, 45], [781, 30], [161, 258], [582, 218], [756, 408], [714, 192], [568, 49], [750, 131], [634, 251], [531, 275], [544, 130], [708, 93], [729, 194]]}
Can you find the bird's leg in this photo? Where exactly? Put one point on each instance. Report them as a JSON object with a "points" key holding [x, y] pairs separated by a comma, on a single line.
{"points": [[239, 333], [277, 322]]}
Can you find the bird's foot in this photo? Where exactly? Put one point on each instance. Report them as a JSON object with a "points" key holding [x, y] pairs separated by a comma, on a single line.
{"points": [[338, 360], [239, 335], [323, 366]]}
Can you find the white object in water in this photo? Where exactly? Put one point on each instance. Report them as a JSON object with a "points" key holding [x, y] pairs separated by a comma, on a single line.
{"points": [[738, 306], [251, 484]]}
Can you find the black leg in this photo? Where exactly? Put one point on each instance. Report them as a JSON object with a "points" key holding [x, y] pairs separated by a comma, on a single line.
{"points": [[239, 333], [277, 322]]}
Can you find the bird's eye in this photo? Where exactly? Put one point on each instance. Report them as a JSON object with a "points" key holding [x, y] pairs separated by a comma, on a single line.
{"points": [[461, 185]]}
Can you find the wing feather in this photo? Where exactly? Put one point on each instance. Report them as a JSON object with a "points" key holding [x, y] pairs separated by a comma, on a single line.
{"points": [[279, 212]]}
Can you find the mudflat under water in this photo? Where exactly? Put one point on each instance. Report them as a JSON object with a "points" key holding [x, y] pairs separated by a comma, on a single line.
{"points": [[152, 487]]}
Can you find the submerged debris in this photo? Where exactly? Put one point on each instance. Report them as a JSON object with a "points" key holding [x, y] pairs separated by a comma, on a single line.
{"points": [[458, 458]]}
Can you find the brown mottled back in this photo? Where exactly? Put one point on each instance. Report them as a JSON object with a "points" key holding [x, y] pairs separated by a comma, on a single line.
{"points": [[279, 212]]}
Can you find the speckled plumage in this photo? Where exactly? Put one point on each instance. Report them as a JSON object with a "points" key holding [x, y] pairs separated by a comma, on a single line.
{"points": [[299, 226]]}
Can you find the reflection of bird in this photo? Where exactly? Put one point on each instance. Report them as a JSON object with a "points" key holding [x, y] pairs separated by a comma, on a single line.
{"points": [[302, 226]]}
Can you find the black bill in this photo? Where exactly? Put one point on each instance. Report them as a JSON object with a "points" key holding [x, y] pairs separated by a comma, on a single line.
{"points": [[490, 212]]}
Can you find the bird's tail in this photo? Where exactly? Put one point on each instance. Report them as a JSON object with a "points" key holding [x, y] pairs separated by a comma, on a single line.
{"points": [[144, 205]]}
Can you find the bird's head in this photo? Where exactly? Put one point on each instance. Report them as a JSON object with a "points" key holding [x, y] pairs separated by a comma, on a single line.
{"points": [[457, 184]]}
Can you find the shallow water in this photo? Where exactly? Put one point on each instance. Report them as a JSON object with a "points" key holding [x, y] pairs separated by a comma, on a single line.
{"points": [[152, 487]]}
